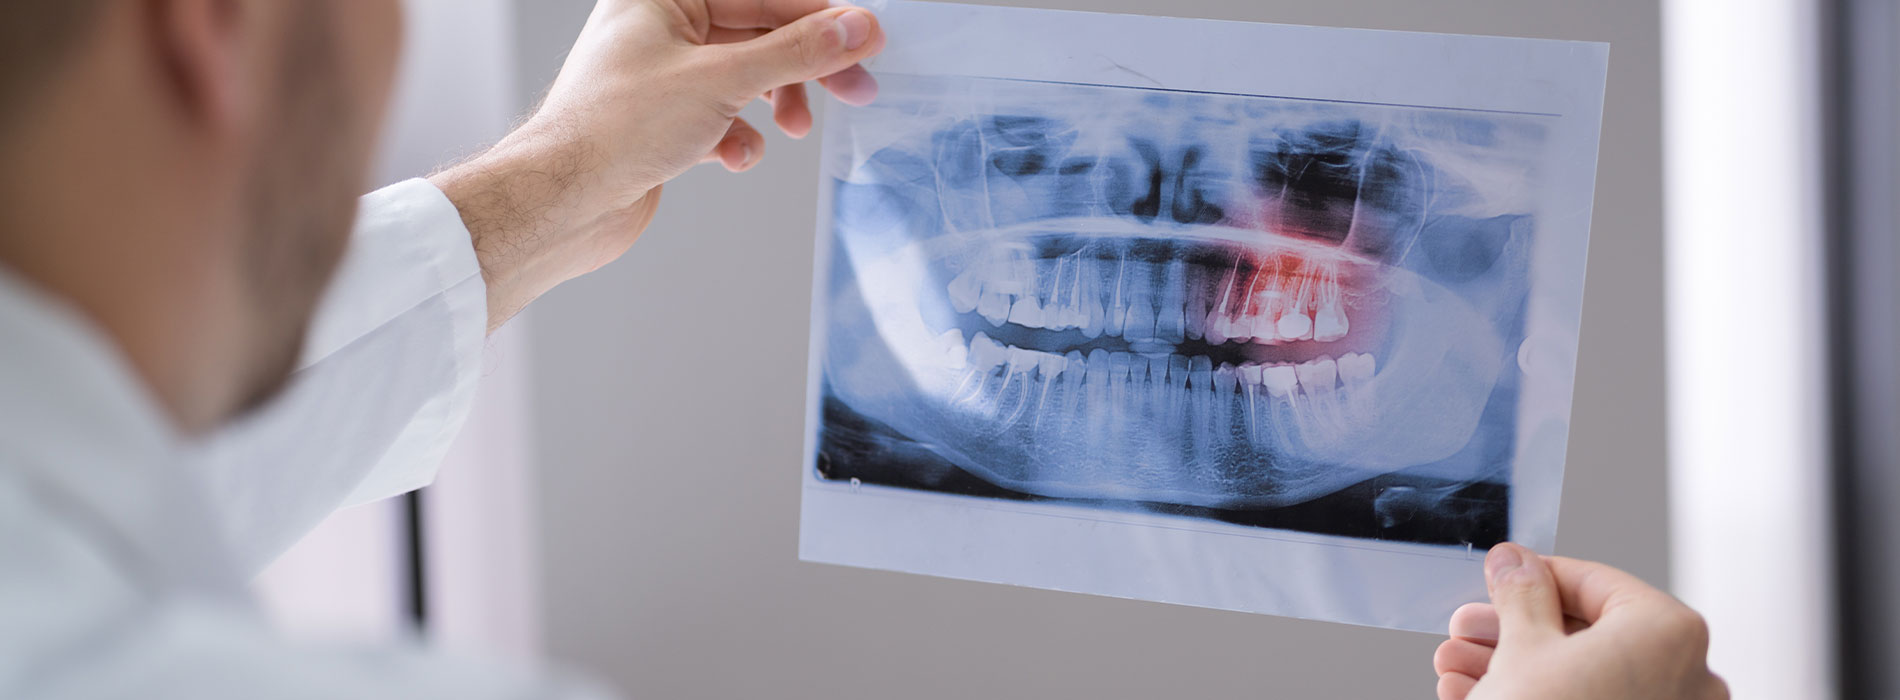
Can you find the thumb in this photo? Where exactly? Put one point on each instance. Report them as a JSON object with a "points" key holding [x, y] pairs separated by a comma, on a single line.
{"points": [[1524, 591], [817, 45]]}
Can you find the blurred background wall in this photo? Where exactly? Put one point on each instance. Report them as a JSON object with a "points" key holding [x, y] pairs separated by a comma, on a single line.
{"points": [[667, 399]]}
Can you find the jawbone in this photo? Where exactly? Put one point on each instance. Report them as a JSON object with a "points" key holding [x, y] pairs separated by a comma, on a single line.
{"points": [[1157, 421]]}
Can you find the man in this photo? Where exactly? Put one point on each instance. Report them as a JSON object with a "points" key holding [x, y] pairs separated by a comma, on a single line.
{"points": [[199, 360], [176, 197]]}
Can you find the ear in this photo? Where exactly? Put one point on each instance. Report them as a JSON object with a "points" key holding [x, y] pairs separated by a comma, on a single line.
{"points": [[202, 45]]}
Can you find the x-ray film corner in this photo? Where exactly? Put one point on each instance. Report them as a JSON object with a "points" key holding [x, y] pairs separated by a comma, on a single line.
{"points": [[1175, 332]]}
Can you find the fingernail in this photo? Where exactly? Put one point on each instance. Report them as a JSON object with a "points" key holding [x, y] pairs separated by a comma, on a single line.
{"points": [[745, 154], [1503, 559], [854, 87], [853, 27]]}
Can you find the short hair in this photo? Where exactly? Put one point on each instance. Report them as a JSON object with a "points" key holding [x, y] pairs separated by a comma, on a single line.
{"points": [[35, 37]]}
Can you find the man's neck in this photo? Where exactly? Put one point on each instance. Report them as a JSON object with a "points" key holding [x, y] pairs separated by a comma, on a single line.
{"points": [[95, 211]]}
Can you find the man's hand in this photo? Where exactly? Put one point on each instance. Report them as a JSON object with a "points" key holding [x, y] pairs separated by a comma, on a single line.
{"points": [[651, 88], [1562, 629]]}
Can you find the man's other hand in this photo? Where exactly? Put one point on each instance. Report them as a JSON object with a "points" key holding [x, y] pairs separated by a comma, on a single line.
{"points": [[1561, 629]]}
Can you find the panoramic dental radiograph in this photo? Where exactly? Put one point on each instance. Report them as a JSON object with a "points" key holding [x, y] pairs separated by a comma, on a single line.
{"points": [[1280, 313]]}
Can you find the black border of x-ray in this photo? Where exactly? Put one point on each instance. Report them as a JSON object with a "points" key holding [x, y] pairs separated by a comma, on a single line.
{"points": [[1860, 111]]}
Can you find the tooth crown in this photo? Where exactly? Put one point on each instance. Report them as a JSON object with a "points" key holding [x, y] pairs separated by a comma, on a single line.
{"points": [[1279, 300], [1322, 375]]}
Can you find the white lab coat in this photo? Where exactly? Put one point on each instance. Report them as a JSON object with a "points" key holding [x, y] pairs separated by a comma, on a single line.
{"points": [[125, 551]]}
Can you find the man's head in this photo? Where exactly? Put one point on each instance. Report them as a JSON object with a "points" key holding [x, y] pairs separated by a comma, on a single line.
{"points": [[184, 173]]}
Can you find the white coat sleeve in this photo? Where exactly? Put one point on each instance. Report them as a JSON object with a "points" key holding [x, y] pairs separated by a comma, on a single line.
{"points": [[88, 617], [388, 373]]}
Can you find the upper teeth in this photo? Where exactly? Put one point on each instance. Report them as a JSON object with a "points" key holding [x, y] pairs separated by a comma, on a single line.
{"points": [[1330, 325], [1146, 301], [1294, 324], [994, 307], [1026, 312]]}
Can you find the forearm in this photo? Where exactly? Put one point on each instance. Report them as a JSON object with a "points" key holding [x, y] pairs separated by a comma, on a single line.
{"points": [[529, 227], [507, 202]]}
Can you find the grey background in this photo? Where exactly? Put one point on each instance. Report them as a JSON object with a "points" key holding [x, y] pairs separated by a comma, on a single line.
{"points": [[669, 442]]}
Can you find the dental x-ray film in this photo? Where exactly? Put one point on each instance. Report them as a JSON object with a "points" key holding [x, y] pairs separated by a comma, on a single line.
{"points": [[1258, 317]]}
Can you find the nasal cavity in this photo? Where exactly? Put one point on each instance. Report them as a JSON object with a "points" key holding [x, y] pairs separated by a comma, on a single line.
{"points": [[1332, 182]]}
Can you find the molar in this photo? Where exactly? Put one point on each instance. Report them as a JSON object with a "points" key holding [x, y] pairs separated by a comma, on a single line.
{"points": [[1251, 374], [1022, 360], [1330, 323], [1281, 381], [1294, 325], [1319, 376], [1293, 321], [1014, 276], [987, 354], [1263, 329], [965, 290], [1355, 369], [1266, 311], [1025, 312], [954, 349]]}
